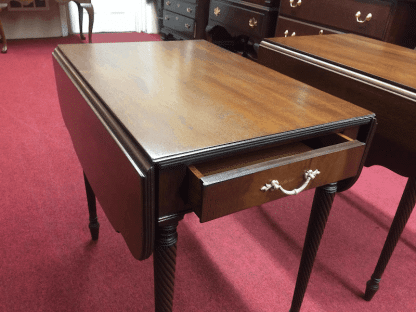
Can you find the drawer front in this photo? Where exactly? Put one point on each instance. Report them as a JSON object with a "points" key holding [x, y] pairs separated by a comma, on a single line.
{"points": [[342, 14], [246, 21], [180, 7], [179, 23], [287, 27], [223, 193]]}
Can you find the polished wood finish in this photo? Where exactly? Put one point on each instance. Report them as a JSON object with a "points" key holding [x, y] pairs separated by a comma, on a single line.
{"points": [[2, 34], [391, 20], [341, 14], [226, 95], [375, 75], [287, 27], [142, 115]]}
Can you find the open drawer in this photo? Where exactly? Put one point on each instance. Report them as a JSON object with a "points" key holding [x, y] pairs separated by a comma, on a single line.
{"points": [[227, 185]]}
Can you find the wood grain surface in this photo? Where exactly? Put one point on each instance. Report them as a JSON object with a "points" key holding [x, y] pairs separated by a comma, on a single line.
{"points": [[178, 97], [380, 59]]}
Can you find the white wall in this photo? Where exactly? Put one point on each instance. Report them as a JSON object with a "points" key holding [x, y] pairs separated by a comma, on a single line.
{"points": [[34, 24]]}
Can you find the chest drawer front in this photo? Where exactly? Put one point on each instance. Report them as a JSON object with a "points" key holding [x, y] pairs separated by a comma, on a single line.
{"points": [[287, 27], [178, 22], [248, 21], [180, 7], [342, 14], [216, 193]]}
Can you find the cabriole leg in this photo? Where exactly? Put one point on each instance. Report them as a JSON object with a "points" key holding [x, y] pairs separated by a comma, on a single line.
{"points": [[164, 263], [321, 206], [406, 205], [92, 208], [90, 11], [81, 18]]}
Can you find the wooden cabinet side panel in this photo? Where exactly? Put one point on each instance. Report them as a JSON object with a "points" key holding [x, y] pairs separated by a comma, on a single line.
{"points": [[121, 188]]}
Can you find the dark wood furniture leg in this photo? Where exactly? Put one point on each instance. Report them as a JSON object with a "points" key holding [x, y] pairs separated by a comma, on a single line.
{"points": [[92, 208], [3, 38], [164, 263], [406, 205], [90, 10], [321, 206]]}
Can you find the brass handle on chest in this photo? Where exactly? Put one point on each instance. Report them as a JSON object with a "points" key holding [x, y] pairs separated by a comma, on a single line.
{"points": [[274, 185], [296, 4], [367, 18], [217, 11], [321, 32], [252, 22], [189, 10], [287, 33]]}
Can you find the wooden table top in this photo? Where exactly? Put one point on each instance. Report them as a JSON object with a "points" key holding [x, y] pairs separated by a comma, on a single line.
{"points": [[176, 98], [391, 63]]}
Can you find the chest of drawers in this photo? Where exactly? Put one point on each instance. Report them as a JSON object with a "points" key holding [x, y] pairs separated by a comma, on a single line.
{"points": [[184, 19], [241, 23], [391, 21]]}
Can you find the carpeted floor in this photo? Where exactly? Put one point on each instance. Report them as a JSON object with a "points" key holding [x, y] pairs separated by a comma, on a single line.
{"points": [[244, 262]]}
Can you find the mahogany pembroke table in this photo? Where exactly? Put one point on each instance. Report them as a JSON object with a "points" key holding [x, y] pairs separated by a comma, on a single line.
{"points": [[162, 129]]}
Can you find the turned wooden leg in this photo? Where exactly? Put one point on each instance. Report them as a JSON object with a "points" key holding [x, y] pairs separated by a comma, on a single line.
{"points": [[322, 203], [164, 262], [94, 225], [406, 205], [3, 38]]}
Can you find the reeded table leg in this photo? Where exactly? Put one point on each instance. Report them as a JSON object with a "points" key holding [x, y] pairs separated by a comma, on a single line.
{"points": [[406, 205], [321, 206], [3, 38], [164, 263], [90, 10], [92, 208]]}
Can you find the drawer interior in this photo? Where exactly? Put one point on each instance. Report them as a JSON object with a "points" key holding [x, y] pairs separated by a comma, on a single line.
{"points": [[272, 153]]}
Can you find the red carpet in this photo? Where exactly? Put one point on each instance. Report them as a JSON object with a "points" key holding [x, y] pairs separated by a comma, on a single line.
{"points": [[244, 262]]}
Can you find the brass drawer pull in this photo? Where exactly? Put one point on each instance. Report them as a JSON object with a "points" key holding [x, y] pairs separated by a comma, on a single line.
{"points": [[295, 5], [189, 10], [367, 18], [274, 185], [287, 33], [217, 11], [321, 32], [168, 3], [252, 22], [187, 26]]}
